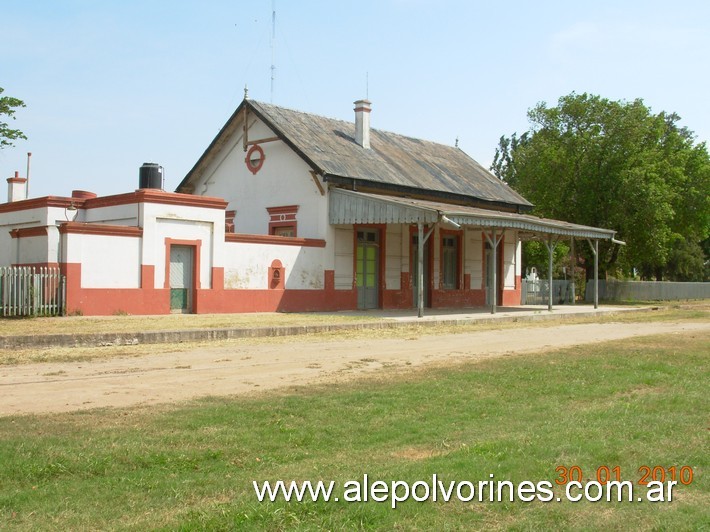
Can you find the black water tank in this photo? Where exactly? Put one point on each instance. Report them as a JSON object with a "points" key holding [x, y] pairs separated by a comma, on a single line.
{"points": [[150, 175]]}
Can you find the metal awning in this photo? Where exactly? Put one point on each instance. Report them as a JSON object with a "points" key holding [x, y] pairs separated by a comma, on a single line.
{"points": [[348, 207]]}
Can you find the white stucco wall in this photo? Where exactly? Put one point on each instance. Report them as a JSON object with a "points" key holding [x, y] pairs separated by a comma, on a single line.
{"points": [[9, 250], [518, 258], [344, 258], [247, 266], [112, 215], [36, 249], [509, 256], [284, 179], [393, 254], [109, 261], [33, 249], [473, 258]]}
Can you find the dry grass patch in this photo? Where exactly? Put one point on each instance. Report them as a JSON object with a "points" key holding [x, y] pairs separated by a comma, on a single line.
{"points": [[404, 331], [171, 322], [122, 324]]}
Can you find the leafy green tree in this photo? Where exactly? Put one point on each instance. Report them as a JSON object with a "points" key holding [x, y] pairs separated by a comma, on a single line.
{"points": [[686, 261], [617, 165], [8, 106]]}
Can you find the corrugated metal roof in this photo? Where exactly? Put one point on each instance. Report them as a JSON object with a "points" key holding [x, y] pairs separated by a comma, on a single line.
{"points": [[392, 159], [348, 207]]}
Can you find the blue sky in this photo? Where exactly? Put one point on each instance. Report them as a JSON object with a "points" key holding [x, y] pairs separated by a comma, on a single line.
{"points": [[110, 85]]}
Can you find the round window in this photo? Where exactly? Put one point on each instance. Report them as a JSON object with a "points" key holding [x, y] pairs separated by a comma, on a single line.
{"points": [[255, 158]]}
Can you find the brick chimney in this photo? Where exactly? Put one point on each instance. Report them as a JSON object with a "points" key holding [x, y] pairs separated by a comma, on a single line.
{"points": [[362, 123], [16, 190]]}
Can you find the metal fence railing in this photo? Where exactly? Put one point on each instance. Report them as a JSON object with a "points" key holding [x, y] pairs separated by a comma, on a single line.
{"points": [[536, 292], [31, 291], [649, 290]]}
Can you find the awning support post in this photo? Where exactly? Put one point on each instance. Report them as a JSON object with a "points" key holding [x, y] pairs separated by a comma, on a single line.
{"points": [[421, 240], [550, 244], [573, 264], [420, 270], [494, 241], [494, 281], [595, 250]]}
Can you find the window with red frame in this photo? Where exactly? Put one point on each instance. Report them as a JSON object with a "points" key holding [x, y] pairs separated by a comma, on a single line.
{"points": [[282, 220]]}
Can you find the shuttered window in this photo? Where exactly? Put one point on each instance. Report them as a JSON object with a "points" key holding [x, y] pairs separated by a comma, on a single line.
{"points": [[449, 262]]}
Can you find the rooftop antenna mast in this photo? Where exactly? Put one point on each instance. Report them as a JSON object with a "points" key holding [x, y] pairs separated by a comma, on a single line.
{"points": [[273, 39]]}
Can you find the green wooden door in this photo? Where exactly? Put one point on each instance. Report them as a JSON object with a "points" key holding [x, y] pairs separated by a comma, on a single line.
{"points": [[367, 269]]}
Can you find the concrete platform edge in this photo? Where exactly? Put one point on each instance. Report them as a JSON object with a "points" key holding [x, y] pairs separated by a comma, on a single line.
{"points": [[201, 335]]}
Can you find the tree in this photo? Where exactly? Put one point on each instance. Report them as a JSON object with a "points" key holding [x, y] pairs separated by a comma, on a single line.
{"points": [[8, 105], [617, 165]]}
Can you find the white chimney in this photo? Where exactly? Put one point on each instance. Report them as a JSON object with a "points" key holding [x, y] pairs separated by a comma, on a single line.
{"points": [[16, 188], [362, 123]]}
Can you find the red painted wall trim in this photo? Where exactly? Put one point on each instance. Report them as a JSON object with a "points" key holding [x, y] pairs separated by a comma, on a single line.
{"points": [[40, 230], [217, 278], [147, 195], [147, 276], [273, 239], [83, 194], [38, 203], [139, 196], [254, 168], [277, 275], [148, 300], [100, 229], [513, 296], [286, 209], [283, 217]]}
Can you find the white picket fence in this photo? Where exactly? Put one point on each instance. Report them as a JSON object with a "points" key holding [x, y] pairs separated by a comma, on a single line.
{"points": [[31, 291]]}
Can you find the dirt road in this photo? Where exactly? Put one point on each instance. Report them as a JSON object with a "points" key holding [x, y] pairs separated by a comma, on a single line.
{"points": [[240, 369]]}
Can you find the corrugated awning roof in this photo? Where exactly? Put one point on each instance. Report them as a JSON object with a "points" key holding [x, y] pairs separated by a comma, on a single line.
{"points": [[348, 207]]}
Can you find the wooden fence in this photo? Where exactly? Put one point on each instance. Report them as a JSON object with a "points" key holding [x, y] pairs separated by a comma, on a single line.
{"points": [[30, 291]]}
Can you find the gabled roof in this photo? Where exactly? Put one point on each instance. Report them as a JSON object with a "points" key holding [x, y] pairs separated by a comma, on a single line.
{"points": [[395, 163]]}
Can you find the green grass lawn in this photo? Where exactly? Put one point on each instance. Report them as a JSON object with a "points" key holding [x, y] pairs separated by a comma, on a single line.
{"points": [[641, 402]]}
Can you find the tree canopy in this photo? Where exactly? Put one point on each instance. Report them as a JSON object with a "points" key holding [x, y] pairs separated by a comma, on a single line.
{"points": [[8, 105], [617, 165]]}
